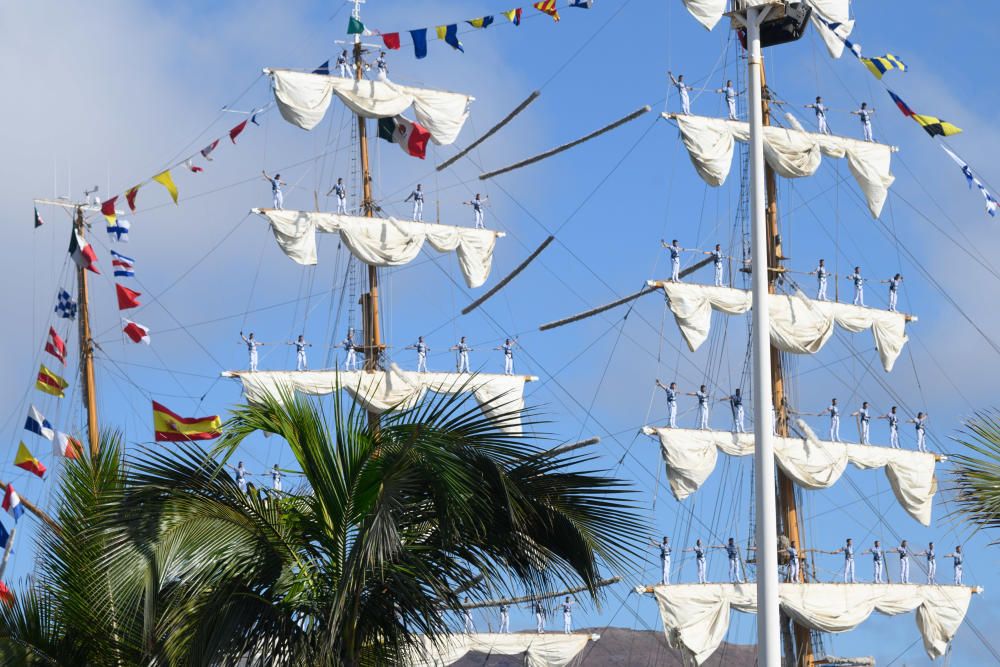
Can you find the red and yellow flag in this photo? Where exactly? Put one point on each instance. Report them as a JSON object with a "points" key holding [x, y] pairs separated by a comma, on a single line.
{"points": [[548, 7], [49, 382], [27, 461], [171, 427]]}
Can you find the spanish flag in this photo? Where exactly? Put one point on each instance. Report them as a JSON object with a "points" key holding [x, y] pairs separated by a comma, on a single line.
{"points": [[26, 460], [171, 427], [49, 382]]}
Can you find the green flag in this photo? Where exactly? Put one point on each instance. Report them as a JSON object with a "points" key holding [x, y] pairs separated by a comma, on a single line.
{"points": [[355, 27]]}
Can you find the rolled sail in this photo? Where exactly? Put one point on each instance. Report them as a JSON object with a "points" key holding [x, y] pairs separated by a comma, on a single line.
{"points": [[303, 99], [791, 153], [383, 242], [549, 650], [799, 325], [393, 389], [696, 616], [690, 456]]}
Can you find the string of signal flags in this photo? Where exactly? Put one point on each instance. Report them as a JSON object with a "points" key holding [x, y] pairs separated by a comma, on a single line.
{"points": [[935, 127], [448, 33]]}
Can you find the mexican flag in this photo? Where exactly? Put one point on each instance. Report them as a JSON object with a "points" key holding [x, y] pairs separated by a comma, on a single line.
{"points": [[411, 137]]}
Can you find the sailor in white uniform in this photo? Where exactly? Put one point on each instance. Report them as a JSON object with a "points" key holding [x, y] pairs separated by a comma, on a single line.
{"points": [[539, 610], [470, 626], [351, 362], [421, 347], [904, 561], [682, 90], [716, 262], [504, 619], [241, 477], [865, 115], [382, 69], [920, 422], [821, 275], [848, 551], [865, 421], [341, 192], [792, 570], [878, 561], [859, 286], [834, 412], [479, 208], [418, 203], [733, 553], [702, 396], [894, 284], [736, 403], [252, 346], [276, 478], [699, 557], [342, 65], [665, 551], [463, 355], [730, 94], [300, 353], [508, 356], [820, 110], [893, 420], [931, 563], [957, 560], [567, 610], [277, 197], [675, 260], [671, 392]]}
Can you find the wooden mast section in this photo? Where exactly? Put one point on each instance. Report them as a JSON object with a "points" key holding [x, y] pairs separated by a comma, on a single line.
{"points": [[787, 510], [89, 392]]}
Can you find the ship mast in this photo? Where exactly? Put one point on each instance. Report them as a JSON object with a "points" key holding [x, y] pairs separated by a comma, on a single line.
{"points": [[89, 392], [373, 345]]}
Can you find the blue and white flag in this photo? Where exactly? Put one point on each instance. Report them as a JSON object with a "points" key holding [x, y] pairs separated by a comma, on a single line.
{"points": [[124, 266], [854, 48], [991, 202], [582, 4], [65, 306], [38, 424], [119, 231]]}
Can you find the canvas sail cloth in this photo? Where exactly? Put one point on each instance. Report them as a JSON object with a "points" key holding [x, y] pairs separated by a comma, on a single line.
{"points": [[393, 389], [379, 242], [303, 99], [696, 616], [798, 325], [708, 13], [690, 456], [791, 153], [548, 650]]}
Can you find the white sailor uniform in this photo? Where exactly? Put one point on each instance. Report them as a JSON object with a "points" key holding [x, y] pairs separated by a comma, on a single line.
{"points": [[920, 424], [508, 358], [821, 125], [675, 262], [849, 565], [893, 430], [351, 362], [421, 356], [793, 564], [821, 276], [736, 402], [671, 407], [730, 94], [682, 90], [894, 293], [878, 561], [342, 67], [478, 208], [859, 289], [866, 122], [702, 409], [300, 356], [734, 564], [865, 417], [717, 263], [277, 196], [665, 551], [904, 564], [463, 358], [958, 568], [699, 555], [834, 423], [341, 192], [418, 205], [504, 620], [567, 609]]}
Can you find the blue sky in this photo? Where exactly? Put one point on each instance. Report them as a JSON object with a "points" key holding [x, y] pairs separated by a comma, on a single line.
{"points": [[110, 94]]}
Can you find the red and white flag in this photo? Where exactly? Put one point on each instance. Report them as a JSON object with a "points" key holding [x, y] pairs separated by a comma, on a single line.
{"points": [[82, 253], [56, 346], [207, 150], [66, 446], [411, 137], [192, 166], [135, 331]]}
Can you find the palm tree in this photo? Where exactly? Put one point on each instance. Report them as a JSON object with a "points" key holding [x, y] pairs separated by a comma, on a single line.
{"points": [[168, 562], [976, 475]]}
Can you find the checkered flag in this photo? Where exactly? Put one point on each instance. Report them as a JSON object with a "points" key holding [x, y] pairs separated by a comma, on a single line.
{"points": [[66, 307]]}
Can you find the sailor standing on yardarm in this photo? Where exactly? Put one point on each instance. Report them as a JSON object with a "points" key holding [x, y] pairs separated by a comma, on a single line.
{"points": [[252, 345], [878, 561], [865, 421], [834, 412], [278, 198], [894, 284], [716, 262], [893, 420], [504, 619], [463, 350], [865, 115], [275, 478], [904, 561], [920, 422], [341, 192], [859, 286], [821, 275], [342, 65], [351, 362], [733, 552], [421, 347], [241, 477], [736, 403], [730, 94], [682, 90], [958, 559], [508, 356], [479, 208], [820, 110], [418, 203], [671, 392], [567, 610], [848, 551], [470, 627], [300, 353], [699, 557], [931, 563], [382, 69], [665, 552], [702, 396], [675, 260]]}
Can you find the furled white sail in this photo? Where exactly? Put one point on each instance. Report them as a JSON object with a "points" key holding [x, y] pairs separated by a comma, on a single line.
{"points": [[303, 99], [696, 616], [393, 389], [690, 456], [383, 242], [791, 153], [549, 650], [708, 13], [798, 325]]}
